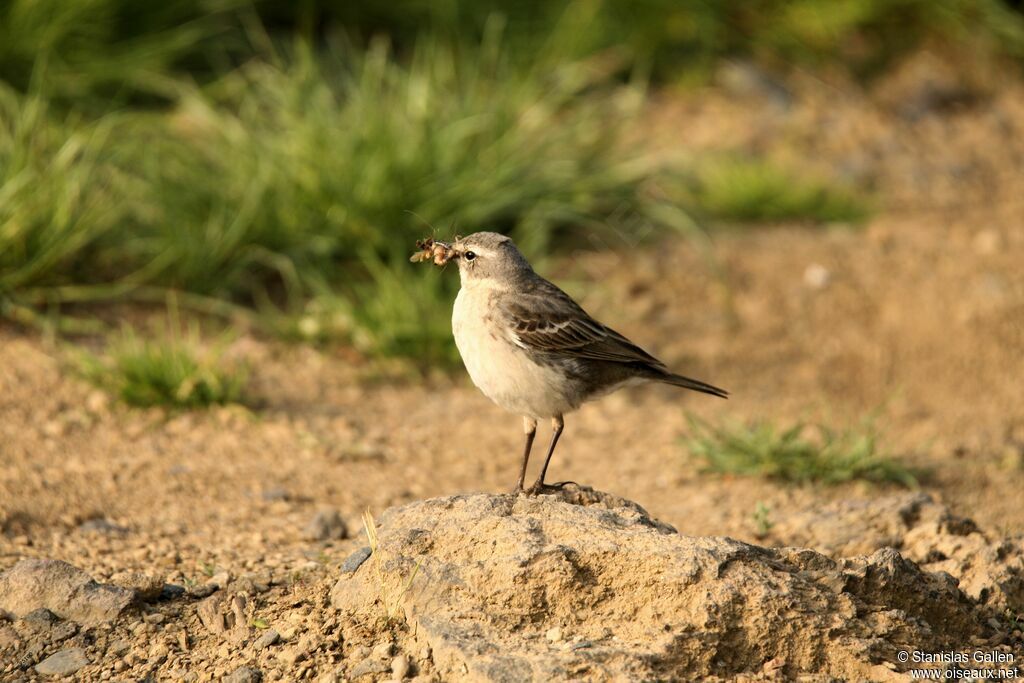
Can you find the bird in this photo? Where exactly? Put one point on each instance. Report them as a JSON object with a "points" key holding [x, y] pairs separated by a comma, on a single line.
{"points": [[531, 349]]}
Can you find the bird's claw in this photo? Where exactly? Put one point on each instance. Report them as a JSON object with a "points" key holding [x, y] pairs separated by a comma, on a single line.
{"points": [[541, 487]]}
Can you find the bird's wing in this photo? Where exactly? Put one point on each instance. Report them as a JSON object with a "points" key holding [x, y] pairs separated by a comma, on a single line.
{"points": [[545, 319]]}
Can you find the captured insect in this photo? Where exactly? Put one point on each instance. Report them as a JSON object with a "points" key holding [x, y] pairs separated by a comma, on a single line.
{"points": [[431, 250]]}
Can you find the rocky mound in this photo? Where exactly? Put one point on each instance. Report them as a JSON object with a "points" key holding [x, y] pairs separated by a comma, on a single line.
{"points": [[586, 586], [576, 586]]}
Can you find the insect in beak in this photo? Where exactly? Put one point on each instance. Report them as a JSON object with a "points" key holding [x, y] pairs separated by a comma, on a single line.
{"points": [[431, 250]]}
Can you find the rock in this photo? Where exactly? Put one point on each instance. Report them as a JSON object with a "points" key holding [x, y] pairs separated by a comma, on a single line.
{"points": [[817, 276], [63, 589], [171, 591], [269, 637], [40, 619], [211, 615], [326, 525], [554, 634], [244, 674], [383, 650], [494, 573], [100, 525], [63, 663], [370, 665], [400, 667], [989, 571], [355, 560], [147, 587], [276, 493]]}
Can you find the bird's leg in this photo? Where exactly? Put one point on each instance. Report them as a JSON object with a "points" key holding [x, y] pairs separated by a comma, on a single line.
{"points": [[557, 424], [530, 428]]}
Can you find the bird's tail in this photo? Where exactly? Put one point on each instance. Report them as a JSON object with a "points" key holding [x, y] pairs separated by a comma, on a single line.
{"points": [[693, 384]]}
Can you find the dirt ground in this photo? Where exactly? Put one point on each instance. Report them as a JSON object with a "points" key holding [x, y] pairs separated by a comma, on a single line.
{"points": [[917, 316]]}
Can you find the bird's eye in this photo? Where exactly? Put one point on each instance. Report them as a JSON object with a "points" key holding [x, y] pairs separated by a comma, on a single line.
{"points": [[469, 256]]}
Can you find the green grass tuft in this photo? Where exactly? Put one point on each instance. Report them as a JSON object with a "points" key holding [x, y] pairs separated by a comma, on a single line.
{"points": [[750, 190], [173, 371], [803, 453]]}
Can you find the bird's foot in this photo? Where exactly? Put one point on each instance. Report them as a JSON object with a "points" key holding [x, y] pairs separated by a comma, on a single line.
{"points": [[541, 487]]}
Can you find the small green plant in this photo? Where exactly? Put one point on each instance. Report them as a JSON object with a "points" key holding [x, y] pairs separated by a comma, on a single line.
{"points": [[754, 190], [801, 453], [763, 519], [392, 589], [172, 371]]}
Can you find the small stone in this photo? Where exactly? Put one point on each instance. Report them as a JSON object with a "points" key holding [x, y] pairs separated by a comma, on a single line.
{"points": [[326, 525], [554, 634], [171, 591], [100, 525], [370, 665], [400, 667], [65, 590], [238, 605], [40, 619], [221, 579], [146, 586], [244, 674], [154, 618], [63, 663], [290, 655], [383, 650], [275, 494], [211, 616], [817, 276], [269, 637], [987, 242], [204, 591], [355, 560]]}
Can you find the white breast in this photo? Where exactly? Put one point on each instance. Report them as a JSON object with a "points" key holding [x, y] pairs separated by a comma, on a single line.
{"points": [[499, 368]]}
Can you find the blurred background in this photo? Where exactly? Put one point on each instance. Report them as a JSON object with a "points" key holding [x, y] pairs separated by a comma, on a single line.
{"points": [[210, 328], [280, 156]]}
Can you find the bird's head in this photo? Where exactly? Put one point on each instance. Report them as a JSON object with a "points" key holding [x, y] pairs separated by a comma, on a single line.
{"points": [[488, 256], [484, 256]]}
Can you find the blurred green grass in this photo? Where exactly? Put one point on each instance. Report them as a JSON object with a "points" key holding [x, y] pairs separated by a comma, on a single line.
{"points": [[748, 190], [171, 369], [278, 156], [802, 453]]}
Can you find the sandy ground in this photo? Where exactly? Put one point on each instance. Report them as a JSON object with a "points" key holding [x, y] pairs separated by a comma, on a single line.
{"points": [[918, 317]]}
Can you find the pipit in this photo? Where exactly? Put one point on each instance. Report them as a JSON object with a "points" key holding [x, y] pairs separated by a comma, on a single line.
{"points": [[530, 348]]}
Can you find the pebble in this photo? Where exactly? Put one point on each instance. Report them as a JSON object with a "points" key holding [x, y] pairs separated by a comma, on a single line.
{"points": [[355, 560], [171, 591], [291, 655], [100, 525], [400, 667], [40, 619], [383, 650], [146, 586], [326, 525], [359, 653], [63, 663], [244, 674], [269, 637], [817, 276], [370, 665], [554, 634]]}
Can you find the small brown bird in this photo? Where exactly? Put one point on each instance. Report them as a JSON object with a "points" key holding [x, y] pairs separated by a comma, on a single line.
{"points": [[530, 348]]}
